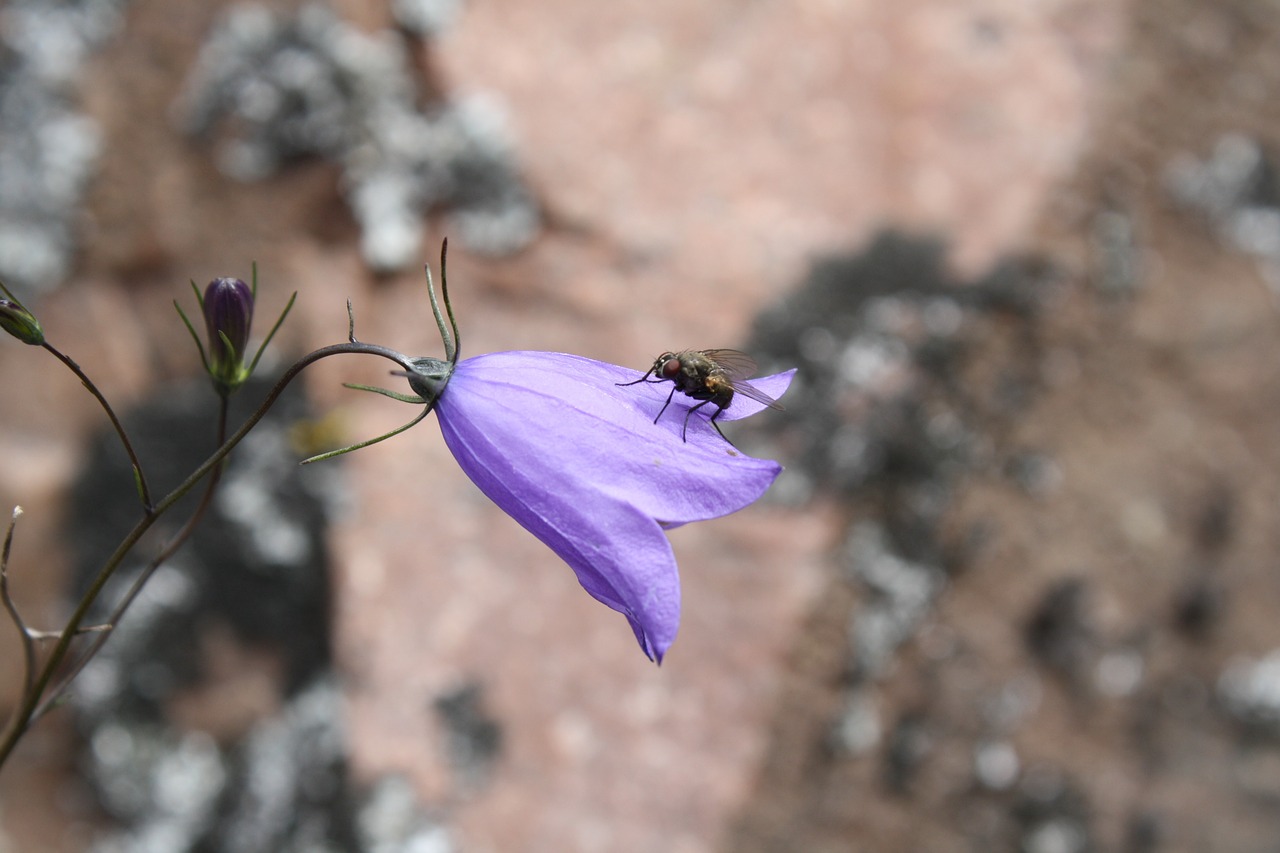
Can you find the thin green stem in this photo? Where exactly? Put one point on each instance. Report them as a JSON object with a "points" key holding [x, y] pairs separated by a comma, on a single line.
{"points": [[288, 376], [28, 644], [144, 491], [31, 699], [54, 695]]}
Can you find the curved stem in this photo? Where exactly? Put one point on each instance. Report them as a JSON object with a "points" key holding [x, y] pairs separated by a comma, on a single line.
{"points": [[144, 492], [272, 395], [22, 717]]}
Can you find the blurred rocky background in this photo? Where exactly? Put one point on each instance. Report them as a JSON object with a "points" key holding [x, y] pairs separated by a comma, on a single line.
{"points": [[1017, 589]]}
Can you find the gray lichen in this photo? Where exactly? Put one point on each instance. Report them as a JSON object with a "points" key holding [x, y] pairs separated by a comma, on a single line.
{"points": [[310, 85], [48, 147]]}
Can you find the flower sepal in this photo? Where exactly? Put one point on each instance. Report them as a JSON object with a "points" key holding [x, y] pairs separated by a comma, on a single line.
{"points": [[429, 376], [227, 305]]}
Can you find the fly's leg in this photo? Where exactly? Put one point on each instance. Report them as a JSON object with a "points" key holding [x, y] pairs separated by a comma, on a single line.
{"points": [[641, 379], [685, 432], [668, 403], [719, 412]]}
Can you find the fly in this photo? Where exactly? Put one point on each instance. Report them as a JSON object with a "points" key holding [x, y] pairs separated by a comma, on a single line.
{"points": [[709, 376]]}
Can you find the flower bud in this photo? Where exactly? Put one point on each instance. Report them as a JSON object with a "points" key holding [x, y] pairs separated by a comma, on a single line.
{"points": [[228, 314], [20, 323]]}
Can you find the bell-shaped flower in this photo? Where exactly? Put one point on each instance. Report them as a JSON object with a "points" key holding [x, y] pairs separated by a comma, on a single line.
{"points": [[590, 458], [577, 459]]}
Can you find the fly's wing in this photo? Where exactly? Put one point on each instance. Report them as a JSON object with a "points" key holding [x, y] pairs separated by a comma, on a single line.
{"points": [[737, 364], [746, 389], [738, 367]]}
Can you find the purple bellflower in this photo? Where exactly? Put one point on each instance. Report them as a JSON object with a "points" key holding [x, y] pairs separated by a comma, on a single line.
{"points": [[579, 462], [569, 448]]}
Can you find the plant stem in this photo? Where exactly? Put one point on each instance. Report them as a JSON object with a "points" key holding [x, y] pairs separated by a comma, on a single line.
{"points": [[54, 695], [28, 646], [144, 491], [31, 699]]}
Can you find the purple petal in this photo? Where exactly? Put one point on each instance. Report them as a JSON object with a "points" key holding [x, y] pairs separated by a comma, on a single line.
{"points": [[621, 556], [570, 411], [228, 310], [578, 461]]}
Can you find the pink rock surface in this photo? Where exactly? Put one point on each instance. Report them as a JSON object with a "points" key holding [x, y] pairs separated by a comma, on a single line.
{"points": [[694, 157]]}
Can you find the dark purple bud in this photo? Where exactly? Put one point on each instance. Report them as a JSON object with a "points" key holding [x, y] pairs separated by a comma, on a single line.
{"points": [[228, 314], [20, 323]]}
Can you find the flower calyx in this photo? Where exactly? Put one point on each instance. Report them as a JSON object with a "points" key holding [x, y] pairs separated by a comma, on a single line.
{"points": [[18, 321], [228, 305]]}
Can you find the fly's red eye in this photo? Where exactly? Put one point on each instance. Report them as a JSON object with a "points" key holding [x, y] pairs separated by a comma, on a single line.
{"points": [[670, 368]]}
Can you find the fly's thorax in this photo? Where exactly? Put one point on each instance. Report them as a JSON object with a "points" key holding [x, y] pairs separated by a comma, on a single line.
{"points": [[688, 370]]}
